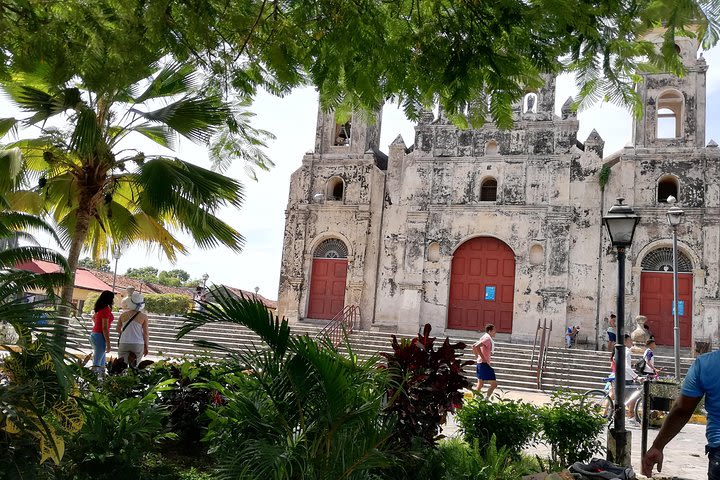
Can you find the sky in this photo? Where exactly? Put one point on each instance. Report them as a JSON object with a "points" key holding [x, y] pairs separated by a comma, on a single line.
{"points": [[292, 119]]}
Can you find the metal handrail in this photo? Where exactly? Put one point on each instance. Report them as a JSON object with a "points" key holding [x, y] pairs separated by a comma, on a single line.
{"points": [[343, 322], [542, 352]]}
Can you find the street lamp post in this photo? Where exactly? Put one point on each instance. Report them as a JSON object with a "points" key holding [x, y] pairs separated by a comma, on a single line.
{"points": [[620, 222], [675, 217], [205, 277], [116, 257]]}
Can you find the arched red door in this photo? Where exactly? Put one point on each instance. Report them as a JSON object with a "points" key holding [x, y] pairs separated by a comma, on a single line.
{"points": [[656, 299], [482, 285], [328, 279], [656, 295]]}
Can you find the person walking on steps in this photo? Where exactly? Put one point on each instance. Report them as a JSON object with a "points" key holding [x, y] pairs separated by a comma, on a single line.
{"points": [[100, 335], [133, 329], [703, 379], [484, 350]]}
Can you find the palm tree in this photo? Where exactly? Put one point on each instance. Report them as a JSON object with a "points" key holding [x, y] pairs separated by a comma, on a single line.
{"points": [[101, 190], [36, 410]]}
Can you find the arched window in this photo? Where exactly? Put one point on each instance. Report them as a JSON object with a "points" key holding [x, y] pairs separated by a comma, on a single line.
{"points": [[491, 147], [335, 189], [530, 103], [669, 114], [331, 248], [342, 134], [667, 186], [660, 260], [488, 190]]}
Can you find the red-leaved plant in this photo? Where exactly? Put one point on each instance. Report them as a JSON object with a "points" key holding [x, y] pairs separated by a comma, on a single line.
{"points": [[425, 385]]}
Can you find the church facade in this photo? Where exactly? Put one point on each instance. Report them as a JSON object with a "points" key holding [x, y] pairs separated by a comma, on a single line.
{"points": [[475, 226]]}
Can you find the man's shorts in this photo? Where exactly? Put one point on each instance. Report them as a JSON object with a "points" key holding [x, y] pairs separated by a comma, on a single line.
{"points": [[612, 337], [485, 372]]}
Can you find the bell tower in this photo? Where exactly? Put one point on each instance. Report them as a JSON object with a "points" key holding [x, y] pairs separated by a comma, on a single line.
{"points": [[355, 136], [673, 107]]}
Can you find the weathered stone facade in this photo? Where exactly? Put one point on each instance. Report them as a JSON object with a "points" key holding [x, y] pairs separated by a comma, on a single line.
{"points": [[533, 188]]}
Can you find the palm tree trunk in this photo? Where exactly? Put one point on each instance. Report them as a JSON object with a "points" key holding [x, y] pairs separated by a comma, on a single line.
{"points": [[81, 229]]}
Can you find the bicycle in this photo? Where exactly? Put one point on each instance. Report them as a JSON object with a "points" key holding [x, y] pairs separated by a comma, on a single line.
{"points": [[600, 399]]}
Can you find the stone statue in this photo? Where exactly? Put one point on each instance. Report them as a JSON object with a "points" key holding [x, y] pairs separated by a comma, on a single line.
{"points": [[639, 335]]}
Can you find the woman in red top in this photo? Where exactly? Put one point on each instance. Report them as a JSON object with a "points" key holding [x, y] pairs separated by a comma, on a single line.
{"points": [[100, 336]]}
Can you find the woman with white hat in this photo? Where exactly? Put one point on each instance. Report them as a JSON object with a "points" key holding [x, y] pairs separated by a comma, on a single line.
{"points": [[133, 330]]}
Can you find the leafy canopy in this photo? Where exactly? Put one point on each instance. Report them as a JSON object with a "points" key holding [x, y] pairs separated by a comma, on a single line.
{"points": [[360, 53]]}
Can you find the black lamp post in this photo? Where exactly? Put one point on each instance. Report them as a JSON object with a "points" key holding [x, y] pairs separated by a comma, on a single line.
{"points": [[620, 221]]}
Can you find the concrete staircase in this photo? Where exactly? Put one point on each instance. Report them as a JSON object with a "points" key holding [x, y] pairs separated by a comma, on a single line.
{"points": [[574, 369]]}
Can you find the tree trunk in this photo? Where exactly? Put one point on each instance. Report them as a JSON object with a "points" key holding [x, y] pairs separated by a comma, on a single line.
{"points": [[82, 224]]}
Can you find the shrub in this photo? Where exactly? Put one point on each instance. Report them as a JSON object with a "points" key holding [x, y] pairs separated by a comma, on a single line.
{"points": [[116, 436], [570, 428], [425, 385], [455, 459], [513, 423], [90, 300], [167, 303]]}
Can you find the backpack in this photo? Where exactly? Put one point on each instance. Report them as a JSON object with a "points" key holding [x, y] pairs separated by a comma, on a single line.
{"points": [[600, 469], [639, 366]]}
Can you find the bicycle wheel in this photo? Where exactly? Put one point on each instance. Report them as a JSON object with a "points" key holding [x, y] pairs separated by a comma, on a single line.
{"points": [[600, 401], [638, 410]]}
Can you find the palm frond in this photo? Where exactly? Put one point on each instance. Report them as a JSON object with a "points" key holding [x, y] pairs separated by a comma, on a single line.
{"points": [[159, 134], [251, 313], [13, 256], [12, 221], [174, 79], [197, 118]]}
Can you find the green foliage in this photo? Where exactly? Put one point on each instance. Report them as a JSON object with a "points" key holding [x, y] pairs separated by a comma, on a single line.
{"points": [[513, 423], [455, 459], [301, 410], [570, 428], [604, 176], [116, 437], [89, 303], [146, 274], [167, 303], [425, 385], [102, 264], [359, 55]]}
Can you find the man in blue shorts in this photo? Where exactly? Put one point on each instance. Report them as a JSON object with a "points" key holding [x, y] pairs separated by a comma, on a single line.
{"points": [[703, 379], [483, 350]]}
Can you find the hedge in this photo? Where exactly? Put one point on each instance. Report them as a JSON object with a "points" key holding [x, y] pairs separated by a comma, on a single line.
{"points": [[167, 303]]}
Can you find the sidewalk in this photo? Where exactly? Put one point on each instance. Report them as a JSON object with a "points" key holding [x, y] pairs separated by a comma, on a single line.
{"points": [[684, 457]]}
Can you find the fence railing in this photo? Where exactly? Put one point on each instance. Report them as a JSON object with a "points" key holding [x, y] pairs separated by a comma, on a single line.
{"points": [[345, 319], [543, 332]]}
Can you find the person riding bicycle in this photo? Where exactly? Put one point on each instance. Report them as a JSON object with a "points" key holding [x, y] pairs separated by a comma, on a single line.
{"points": [[649, 357]]}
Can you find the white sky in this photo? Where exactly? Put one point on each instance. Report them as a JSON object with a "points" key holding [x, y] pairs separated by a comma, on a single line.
{"points": [[292, 119]]}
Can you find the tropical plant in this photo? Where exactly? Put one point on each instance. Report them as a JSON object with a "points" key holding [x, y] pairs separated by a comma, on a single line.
{"points": [[425, 385], [513, 423], [570, 428], [116, 436], [99, 189], [455, 459], [102, 264], [301, 409], [36, 406]]}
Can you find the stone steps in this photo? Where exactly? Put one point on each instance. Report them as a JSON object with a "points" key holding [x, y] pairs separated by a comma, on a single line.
{"points": [[578, 370]]}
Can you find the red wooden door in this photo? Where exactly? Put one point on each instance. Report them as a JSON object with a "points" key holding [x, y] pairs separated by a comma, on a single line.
{"points": [[482, 285], [656, 298], [327, 287]]}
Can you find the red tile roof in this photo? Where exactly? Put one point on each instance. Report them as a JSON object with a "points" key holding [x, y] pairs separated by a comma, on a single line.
{"points": [[122, 282], [83, 278]]}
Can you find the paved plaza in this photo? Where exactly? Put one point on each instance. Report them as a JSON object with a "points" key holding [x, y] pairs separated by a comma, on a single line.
{"points": [[684, 457]]}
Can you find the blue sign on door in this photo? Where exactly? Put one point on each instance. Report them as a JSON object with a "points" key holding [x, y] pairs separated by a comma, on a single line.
{"points": [[490, 293], [681, 308]]}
